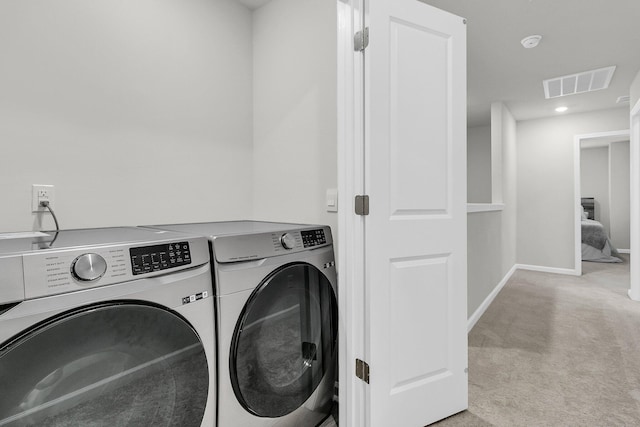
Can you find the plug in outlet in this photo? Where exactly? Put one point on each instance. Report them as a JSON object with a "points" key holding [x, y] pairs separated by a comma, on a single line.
{"points": [[41, 193]]}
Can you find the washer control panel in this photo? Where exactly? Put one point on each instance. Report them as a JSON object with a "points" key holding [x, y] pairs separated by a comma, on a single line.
{"points": [[61, 271], [159, 257]]}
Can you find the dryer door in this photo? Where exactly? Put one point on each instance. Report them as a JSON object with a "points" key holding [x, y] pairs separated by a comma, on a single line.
{"points": [[117, 364], [284, 346]]}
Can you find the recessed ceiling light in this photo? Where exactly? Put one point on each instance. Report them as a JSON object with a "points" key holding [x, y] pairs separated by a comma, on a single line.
{"points": [[561, 109], [531, 41]]}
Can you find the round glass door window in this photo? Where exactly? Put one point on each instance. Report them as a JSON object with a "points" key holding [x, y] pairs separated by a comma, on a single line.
{"points": [[285, 342], [120, 364]]}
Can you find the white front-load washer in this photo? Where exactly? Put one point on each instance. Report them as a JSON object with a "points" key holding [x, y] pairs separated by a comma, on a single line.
{"points": [[277, 321], [106, 327]]}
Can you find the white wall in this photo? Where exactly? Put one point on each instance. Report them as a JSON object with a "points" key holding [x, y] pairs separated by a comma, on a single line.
{"points": [[479, 164], [138, 112], [484, 257], [594, 181], [491, 238], [295, 128], [620, 194], [545, 214]]}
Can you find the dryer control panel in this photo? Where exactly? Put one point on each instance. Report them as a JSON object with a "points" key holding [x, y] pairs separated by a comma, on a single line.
{"points": [[246, 247]]}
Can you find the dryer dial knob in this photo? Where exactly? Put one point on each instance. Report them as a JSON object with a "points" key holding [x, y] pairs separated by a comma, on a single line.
{"points": [[287, 241], [88, 267]]}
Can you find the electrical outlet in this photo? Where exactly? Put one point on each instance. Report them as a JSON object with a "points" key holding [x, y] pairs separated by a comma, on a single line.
{"points": [[41, 193]]}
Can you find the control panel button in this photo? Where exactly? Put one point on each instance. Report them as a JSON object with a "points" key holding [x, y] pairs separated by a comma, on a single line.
{"points": [[287, 241], [149, 259], [88, 267], [311, 238]]}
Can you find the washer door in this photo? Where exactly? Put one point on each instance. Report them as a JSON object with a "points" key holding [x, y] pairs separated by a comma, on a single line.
{"points": [[285, 342], [122, 364]]}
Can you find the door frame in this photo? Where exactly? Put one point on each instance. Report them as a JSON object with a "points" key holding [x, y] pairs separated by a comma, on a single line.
{"points": [[578, 139], [634, 224], [353, 393]]}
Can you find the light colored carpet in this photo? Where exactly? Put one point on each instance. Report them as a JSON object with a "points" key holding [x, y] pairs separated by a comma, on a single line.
{"points": [[555, 350]]}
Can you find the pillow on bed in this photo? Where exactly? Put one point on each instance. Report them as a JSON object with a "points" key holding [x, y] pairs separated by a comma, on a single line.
{"points": [[585, 215]]}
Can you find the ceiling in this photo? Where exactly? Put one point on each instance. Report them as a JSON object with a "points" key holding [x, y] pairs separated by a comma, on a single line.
{"points": [[577, 35]]}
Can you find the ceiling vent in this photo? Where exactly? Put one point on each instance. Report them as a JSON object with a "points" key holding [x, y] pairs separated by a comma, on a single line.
{"points": [[623, 99], [572, 84]]}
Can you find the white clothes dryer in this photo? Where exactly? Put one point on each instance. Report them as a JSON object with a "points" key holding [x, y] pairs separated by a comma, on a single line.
{"points": [[110, 326], [277, 321]]}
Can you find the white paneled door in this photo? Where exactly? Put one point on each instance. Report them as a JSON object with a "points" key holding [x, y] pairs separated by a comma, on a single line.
{"points": [[415, 234]]}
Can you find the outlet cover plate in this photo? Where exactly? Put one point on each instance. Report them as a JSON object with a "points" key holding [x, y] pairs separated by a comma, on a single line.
{"points": [[41, 192]]}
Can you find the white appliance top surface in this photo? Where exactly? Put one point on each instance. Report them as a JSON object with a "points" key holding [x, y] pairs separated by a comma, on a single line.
{"points": [[28, 242], [229, 228]]}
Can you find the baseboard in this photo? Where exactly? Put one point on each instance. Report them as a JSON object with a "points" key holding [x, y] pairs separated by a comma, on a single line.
{"points": [[624, 251], [471, 322], [554, 270]]}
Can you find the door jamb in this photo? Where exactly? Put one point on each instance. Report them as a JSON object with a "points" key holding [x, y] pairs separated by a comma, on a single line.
{"points": [[350, 138], [634, 154]]}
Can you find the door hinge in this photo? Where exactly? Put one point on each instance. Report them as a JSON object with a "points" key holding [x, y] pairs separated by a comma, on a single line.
{"points": [[362, 205], [362, 370], [361, 40]]}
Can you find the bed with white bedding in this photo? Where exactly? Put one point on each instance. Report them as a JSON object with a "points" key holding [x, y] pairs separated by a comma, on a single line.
{"points": [[596, 245]]}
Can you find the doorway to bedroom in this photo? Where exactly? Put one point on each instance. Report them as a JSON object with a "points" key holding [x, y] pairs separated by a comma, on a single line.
{"points": [[602, 198]]}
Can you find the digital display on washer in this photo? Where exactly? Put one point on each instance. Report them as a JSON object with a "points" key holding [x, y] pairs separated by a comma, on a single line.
{"points": [[147, 259], [313, 237]]}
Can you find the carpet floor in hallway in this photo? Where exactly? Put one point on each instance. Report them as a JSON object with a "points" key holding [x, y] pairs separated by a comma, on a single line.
{"points": [[556, 350]]}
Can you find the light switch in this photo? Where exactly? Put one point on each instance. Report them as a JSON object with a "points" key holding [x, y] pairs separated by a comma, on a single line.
{"points": [[332, 200]]}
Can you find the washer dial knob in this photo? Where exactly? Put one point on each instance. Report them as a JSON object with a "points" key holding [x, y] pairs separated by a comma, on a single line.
{"points": [[88, 267], [287, 241]]}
